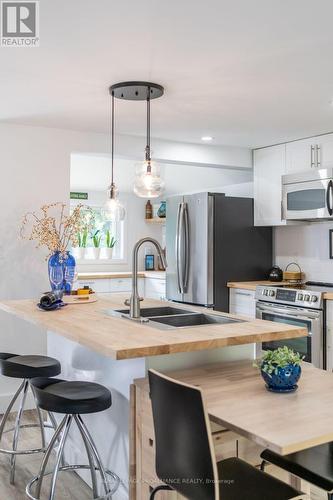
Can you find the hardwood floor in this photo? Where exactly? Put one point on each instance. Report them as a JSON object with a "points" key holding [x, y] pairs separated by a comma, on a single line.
{"points": [[69, 486]]}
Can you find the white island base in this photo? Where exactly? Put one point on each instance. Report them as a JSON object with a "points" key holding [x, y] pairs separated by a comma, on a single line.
{"points": [[110, 429]]}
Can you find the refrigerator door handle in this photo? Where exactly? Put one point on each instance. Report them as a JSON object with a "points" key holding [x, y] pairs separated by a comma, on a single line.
{"points": [[187, 247], [177, 247]]}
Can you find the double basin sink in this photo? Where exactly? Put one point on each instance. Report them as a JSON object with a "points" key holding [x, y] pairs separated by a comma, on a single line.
{"points": [[169, 317]]}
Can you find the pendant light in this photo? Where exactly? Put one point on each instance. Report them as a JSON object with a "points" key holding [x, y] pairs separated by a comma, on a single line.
{"points": [[148, 182], [114, 210]]}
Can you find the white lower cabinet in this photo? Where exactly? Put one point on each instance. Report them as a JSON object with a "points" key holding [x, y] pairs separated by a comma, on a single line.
{"points": [[242, 302], [113, 285], [329, 334], [155, 288]]}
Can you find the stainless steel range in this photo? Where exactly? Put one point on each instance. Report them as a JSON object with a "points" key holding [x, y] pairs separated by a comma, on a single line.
{"points": [[301, 306]]}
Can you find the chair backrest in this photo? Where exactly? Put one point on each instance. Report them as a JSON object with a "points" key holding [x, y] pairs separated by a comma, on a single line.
{"points": [[185, 457]]}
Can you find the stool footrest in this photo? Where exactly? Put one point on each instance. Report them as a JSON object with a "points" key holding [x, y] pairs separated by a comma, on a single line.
{"points": [[70, 468], [25, 452]]}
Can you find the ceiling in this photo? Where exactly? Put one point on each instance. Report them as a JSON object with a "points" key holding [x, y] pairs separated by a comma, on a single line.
{"points": [[249, 73]]}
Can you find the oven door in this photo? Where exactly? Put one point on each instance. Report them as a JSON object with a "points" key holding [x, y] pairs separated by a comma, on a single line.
{"points": [[311, 347], [308, 200]]}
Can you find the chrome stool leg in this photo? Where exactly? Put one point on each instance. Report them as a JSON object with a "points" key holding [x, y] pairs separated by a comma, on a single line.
{"points": [[93, 456], [17, 430], [13, 452]]}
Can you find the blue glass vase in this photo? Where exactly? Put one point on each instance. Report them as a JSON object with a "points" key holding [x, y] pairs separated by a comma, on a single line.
{"points": [[285, 380], [61, 269], [161, 212]]}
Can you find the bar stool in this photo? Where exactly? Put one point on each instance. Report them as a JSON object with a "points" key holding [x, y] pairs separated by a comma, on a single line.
{"points": [[72, 399], [25, 367]]}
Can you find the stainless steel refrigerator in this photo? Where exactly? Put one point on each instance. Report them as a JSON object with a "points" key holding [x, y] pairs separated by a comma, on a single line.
{"points": [[210, 240]]}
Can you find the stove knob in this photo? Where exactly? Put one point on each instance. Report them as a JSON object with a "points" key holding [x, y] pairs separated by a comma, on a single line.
{"points": [[314, 298], [307, 298], [265, 291], [271, 293], [300, 296]]}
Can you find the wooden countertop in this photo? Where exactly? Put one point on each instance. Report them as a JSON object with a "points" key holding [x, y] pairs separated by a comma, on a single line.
{"points": [[121, 274], [251, 285], [119, 338], [236, 398]]}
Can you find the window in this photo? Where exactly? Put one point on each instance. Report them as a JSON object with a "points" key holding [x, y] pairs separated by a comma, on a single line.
{"points": [[102, 225]]}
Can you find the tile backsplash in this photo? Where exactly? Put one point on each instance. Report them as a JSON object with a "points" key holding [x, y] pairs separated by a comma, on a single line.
{"points": [[308, 245]]}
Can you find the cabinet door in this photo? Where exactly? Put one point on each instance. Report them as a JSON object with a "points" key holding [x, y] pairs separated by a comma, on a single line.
{"points": [[155, 288], [324, 150], [300, 155], [242, 302], [269, 166], [98, 285]]}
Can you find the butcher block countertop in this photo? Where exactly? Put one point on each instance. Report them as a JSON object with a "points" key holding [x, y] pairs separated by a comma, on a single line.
{"points": [[119, 338], [251, 285]]}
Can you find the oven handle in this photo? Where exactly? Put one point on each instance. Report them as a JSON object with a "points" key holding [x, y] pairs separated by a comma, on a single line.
{"points": [[274, 309]]}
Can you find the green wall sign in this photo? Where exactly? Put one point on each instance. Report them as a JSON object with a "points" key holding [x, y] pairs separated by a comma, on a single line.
{"points": [[78, 196]]}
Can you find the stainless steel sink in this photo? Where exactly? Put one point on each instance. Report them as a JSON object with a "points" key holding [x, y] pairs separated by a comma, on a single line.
{"points": [[196, 319], [168, 317], [150, 312]]}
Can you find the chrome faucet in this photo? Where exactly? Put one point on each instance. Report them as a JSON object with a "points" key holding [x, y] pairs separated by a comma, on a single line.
{"points": [[134, 301]]}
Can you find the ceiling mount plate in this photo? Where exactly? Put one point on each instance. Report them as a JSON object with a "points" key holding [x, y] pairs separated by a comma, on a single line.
{"points": [[136, 91]]}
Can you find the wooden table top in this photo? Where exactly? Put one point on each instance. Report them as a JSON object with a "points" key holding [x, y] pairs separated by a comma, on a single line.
{"points": [[119, 338], [237, 399]]}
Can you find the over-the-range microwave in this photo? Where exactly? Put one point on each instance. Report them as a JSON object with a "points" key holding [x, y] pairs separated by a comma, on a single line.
{"points": [[308, 195]]}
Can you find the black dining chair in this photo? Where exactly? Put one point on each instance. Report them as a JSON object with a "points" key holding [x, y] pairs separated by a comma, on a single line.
{"points": [[185, 457], [314, 465]]}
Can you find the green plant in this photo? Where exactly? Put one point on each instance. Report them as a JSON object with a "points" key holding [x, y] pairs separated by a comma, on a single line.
{"points": [[110, 240], [82, 238], [271, 361], [96, 238]]}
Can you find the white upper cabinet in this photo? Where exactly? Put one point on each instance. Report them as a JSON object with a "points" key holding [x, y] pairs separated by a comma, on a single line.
{"points": [[307, 154], [324, 150], [300, 156], [269, 165]]}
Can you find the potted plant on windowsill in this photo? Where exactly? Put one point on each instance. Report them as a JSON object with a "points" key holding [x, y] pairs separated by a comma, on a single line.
{"points": [[110, 243], [82, 239], [280, 369], [96, 239]]}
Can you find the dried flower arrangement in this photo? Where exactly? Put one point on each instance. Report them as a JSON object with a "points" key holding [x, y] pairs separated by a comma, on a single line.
{"points": [[54, 229]]}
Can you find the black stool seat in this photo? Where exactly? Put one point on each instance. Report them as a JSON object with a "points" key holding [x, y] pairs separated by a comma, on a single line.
{"points": [[27, 367], [238, 479], [61, 396], [314, 465]]}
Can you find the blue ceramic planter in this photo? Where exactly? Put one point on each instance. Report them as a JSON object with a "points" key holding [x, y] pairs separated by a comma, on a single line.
{"points": [[285, 380]]}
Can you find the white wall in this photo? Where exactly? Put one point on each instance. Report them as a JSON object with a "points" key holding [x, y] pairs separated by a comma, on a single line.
{"points": [[308, 245], [35, 169]]}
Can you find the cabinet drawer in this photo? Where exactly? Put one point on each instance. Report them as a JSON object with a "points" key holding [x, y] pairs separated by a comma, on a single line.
{"points": [[120, 285], [155, 286], [99, 286]]}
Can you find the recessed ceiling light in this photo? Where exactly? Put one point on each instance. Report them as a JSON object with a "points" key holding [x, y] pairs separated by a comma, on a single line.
{"points": [[207, 138]]}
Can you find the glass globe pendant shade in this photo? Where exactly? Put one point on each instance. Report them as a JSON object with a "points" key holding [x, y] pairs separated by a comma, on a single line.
{"points": [[148, 182], [113, 208]]}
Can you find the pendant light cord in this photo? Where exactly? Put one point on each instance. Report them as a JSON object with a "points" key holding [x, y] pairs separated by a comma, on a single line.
{"points": [[112, 137], [148, 157]]}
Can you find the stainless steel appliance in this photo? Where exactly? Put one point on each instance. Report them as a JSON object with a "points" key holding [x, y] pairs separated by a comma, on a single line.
{"points": [[210, 240], [308, 195], [301, 307]]}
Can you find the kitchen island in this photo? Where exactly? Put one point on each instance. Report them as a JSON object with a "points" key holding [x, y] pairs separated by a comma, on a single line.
{"points": [[94, 345]]}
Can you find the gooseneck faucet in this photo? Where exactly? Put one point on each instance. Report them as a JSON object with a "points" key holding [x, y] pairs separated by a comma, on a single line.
{"points": [[134, 301]]}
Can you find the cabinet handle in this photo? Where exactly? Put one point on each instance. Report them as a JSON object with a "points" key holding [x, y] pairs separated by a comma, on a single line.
{"points": [[318, 156], [246, 294], [312, 156]]}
